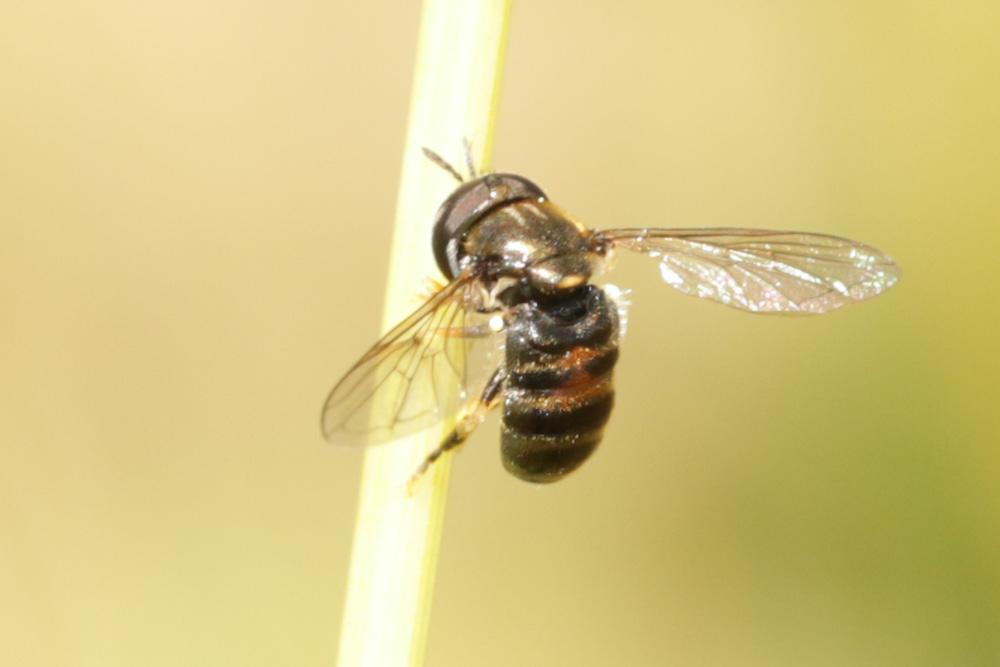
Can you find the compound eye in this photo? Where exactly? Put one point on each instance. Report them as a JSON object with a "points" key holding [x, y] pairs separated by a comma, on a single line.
{"points": [[466, 206], [498, 188]]}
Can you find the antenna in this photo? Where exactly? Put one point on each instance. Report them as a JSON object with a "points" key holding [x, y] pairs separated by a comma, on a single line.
{"points": [[441, 162], [468, 157]]}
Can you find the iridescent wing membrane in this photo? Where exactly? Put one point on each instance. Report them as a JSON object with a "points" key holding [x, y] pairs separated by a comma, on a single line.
{"points": [[762, 271], [420, 372]]}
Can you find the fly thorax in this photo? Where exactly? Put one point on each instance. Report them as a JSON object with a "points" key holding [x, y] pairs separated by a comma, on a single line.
{"points": [[531, 239]]}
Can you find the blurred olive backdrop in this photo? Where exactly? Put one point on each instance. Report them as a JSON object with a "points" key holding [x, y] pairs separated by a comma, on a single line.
{"points": [[196, 202]]}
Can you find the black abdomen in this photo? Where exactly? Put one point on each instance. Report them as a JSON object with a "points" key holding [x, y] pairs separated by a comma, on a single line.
{"points": [[559, 393]]}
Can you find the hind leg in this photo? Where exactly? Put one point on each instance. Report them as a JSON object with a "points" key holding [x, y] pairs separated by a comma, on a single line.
{"points": [[467, 423]]}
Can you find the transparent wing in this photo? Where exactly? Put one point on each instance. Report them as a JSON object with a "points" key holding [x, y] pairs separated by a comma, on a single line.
{"points": [[422, 371], [762, 271]]}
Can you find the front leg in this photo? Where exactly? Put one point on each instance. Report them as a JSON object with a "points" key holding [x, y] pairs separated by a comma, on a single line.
{"points": [[466, 423]]}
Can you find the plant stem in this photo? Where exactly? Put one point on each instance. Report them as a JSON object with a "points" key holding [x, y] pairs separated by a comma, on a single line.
{"points": [[393, 562]]}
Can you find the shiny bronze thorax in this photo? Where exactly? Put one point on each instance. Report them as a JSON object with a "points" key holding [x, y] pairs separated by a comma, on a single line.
{"points": [[533, 241]]}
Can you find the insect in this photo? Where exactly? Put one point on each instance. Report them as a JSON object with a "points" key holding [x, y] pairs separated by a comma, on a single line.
{"points": [[519, 321]]}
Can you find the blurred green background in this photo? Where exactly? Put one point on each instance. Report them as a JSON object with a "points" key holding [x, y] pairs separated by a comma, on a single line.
{"points": [[196, 202]]}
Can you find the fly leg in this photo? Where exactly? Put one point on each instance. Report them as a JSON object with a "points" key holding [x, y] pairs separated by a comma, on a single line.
{"points": [[466, 424]]}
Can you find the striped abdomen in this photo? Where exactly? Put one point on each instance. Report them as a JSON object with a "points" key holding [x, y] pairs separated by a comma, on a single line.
{"points": [[559, 393]]}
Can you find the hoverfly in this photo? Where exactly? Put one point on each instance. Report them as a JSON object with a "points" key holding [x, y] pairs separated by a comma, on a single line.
{"points": [[519, 271]]}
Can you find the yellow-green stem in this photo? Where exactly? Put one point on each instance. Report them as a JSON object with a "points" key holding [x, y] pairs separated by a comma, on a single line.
{"points": [[393, 562]]}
